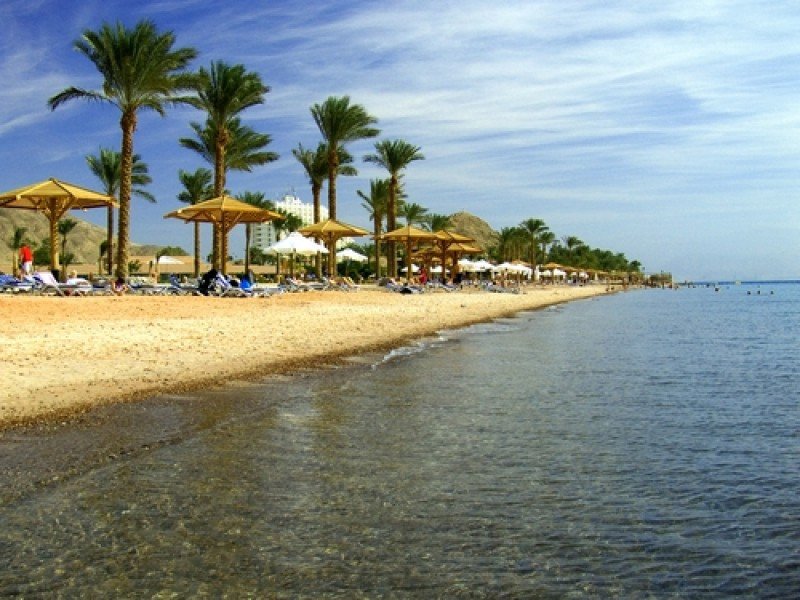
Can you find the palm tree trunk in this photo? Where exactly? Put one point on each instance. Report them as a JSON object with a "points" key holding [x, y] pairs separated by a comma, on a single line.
{"points": [[333, 167], [197, 249], [377, 219], [391, 225], [110, 240], [247, 250], [219, 189], [316, 189], [54, 243], [128, 124]]}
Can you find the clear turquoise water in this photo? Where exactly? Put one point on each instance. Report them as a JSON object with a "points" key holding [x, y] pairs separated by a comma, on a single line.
{"points": [[640, 445]]}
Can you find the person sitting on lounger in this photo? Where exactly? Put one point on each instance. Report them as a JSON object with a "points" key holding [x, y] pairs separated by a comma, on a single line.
{"points": [[119, 287]]}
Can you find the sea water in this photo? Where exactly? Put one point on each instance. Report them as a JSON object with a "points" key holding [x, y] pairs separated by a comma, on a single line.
{"points": [[644, 444]]}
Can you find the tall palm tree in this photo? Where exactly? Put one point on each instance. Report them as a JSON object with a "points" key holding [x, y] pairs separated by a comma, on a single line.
{"points": [[258, 200], [340, 123], [106, 166], [375, 204], [223, 92], [196, 188], [572, 244], [244, 150], [533, 228], [141, 71], [545, 239], [394, 156], [315, 164]]}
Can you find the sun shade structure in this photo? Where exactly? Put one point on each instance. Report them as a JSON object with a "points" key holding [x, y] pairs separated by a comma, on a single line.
{"points": [[296, 243], [409, 235], [330, 231], [447, 240], [54, 198], [225, 212]]}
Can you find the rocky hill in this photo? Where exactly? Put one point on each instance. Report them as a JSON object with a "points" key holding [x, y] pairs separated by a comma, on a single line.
{"points": [[83, 241], [474, 227]]}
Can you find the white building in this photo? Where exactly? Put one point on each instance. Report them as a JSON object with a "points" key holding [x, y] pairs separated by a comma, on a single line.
{"points": [[264, 235]]}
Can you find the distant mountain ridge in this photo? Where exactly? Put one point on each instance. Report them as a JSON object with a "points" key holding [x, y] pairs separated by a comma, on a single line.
{"points": [[468, 224], [83, 241]]}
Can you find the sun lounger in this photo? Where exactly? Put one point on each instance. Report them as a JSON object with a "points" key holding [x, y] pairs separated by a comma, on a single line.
{"points": [[49, 286], [10, 284]]}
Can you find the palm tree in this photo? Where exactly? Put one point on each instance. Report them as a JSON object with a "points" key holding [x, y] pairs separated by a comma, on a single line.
{"points": [[106, 166], [340, 123], [572, 244], [545, 239], [258, 200], [244, 150], [414, 214], [197, 188], [375, 204], [394, 156], [437, 222], [15, 243], [65, 227], [315, 164], [141, 71], [223, 92], [533, 228]]}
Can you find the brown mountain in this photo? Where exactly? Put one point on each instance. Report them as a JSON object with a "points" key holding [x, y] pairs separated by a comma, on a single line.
{"points": [[474, 227], [83, 241]]}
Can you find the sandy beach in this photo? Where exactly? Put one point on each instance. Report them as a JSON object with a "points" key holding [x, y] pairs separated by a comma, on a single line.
{"points": [[63, 356]]}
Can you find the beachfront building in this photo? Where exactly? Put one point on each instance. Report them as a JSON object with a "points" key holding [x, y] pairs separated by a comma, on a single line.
{"points": [[265, 234]]}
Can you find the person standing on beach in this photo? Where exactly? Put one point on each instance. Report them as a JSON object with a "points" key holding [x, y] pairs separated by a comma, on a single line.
{"points": [[25, 260]]}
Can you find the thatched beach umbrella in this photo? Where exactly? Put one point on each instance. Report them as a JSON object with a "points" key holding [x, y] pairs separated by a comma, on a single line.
{"points": [[409, 235], [54, 198], [330, 231], [226, 212]]}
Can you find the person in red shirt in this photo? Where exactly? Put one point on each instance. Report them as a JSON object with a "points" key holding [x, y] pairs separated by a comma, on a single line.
{"points": [[26, 259]]}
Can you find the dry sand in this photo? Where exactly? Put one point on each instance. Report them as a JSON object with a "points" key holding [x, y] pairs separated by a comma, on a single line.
{"points": [[66, 355]]}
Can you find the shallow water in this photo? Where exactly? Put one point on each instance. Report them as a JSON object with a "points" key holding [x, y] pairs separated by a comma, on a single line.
{"points": [[644, 444]]}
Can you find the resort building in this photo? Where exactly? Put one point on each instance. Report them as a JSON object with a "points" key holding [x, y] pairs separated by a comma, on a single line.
{"points": [[265, 235]]}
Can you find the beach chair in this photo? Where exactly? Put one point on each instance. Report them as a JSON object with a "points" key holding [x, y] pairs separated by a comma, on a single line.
{"points": [[50, 286], [176, 288], [12, 285], [350, 285]]}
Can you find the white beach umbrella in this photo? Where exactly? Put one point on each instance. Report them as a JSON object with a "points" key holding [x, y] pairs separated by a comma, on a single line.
{"points": [[169, 260], [483, 265], [414, 268], [466, 264], [350, 254], [296, 243]]}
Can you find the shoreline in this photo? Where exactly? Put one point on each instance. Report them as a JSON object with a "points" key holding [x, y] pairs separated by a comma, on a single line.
{"points": [[66, 356]]}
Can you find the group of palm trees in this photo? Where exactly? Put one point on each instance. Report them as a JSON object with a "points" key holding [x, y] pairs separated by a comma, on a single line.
{"points": [[142, 69]]}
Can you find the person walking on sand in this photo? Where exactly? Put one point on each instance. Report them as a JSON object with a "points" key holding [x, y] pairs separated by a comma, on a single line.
{"points": [[25, 260]]}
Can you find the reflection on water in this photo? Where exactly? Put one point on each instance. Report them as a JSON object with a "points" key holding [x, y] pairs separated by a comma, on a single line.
{"points": [[605, 448]]}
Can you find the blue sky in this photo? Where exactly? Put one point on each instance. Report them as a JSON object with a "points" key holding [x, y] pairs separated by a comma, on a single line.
{"points": [[664, 130]]}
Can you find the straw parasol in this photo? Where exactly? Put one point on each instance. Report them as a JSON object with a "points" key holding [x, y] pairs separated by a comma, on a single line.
{"points": [[53, 198], [225, 212], [330, 231], [446, 239], [408, 235]]}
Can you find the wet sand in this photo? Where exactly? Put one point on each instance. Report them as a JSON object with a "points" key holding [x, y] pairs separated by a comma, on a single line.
{"points": [[63, 357]]}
